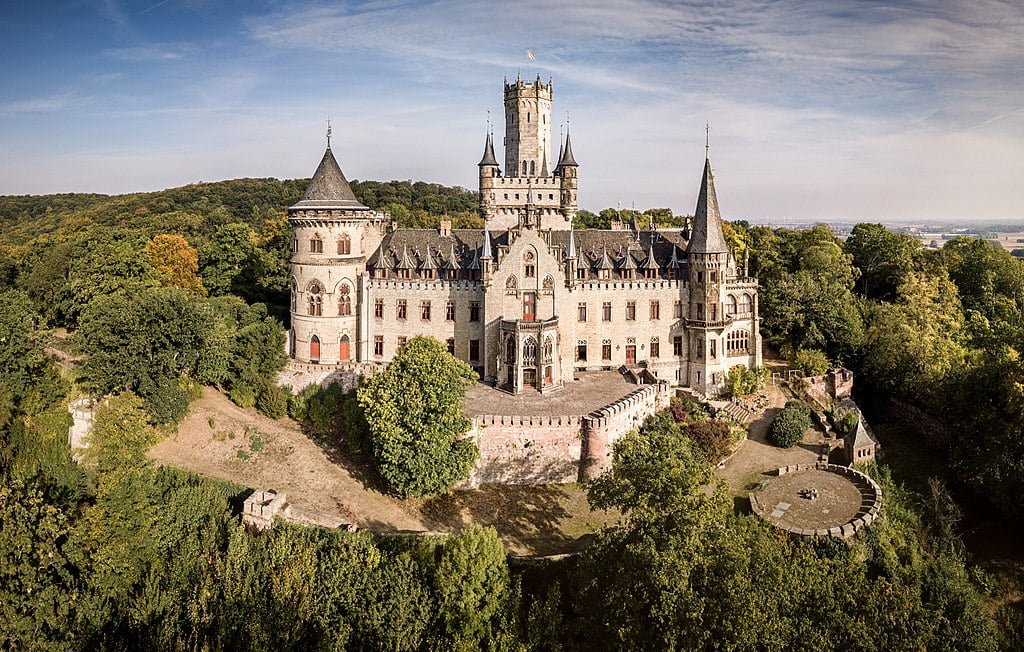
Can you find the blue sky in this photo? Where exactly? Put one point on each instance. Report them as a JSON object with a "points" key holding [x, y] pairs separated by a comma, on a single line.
{"points": [[818, 109]]}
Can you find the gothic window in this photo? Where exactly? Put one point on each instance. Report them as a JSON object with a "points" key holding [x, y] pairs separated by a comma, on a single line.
{"points": [[474, 350], [314, 349], [295, 245], [316, 244], [606, 349], [581, 351], [606, 311], [295, 295], [402, 309], [533, 167], [549, 349], [343, 349], [474, 311], [378, 308], [378, 345], [344, 301], [425, 310], [316, 299], [449, 311], [655, 347], [582, 311], [730, 305], [530, 353], [510, 350], [745, 304], [631, 311], [655, 310], [344, 244]]}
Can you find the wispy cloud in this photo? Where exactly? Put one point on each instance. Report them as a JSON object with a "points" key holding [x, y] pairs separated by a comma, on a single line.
{"points": [[152, 52], [36, 105]]}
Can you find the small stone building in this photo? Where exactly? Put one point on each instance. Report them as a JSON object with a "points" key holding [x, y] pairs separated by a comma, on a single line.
{"points": [[860, 444]]}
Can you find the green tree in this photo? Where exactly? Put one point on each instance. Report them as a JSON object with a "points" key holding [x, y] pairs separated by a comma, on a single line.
{"points": [[811, 362], [789, 425], [175, 262], [473, 586], [884, 258], [416, 425]]}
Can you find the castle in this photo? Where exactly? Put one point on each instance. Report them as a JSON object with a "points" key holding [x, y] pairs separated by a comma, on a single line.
{"points": [[527, 301]]}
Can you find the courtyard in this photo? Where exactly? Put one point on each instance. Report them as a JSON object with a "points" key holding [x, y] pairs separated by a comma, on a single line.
{"points": [[587, 392]]}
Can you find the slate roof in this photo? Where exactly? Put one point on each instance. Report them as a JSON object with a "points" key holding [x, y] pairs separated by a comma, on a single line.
{"points": [[707, 220], [329, 188], [567, 158], [488, 158]]}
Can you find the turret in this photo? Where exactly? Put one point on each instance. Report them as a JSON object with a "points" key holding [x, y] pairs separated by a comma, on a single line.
{"points": [[567, 173]]}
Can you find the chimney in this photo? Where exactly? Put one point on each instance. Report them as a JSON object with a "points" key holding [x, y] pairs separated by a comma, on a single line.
{"points": [[446, 228]]}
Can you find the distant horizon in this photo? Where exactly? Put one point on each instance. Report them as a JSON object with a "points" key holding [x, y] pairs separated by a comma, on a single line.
{"points": [[817, 110]]}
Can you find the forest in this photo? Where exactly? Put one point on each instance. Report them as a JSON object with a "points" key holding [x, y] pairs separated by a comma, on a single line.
{"points": [[111, 552]]}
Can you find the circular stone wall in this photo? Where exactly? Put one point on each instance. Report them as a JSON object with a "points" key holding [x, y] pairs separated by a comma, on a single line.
{"points": [[808, 500]]}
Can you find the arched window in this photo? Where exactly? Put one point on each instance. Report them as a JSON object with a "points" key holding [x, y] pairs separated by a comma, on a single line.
{"points": [[745, 304], [549, 349], [316, 299], [344, 301], [344, 245], [510, 351], [730, 305], [314, 349], [533, 168], [530, 353], [295, 295], [316, 244]]}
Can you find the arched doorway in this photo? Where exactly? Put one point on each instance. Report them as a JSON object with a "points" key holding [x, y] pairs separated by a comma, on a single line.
{"points": [[343, 352], [314, 349]]}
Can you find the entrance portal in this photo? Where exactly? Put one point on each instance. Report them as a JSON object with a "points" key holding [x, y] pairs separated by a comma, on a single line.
{"points": [[630, 354]]}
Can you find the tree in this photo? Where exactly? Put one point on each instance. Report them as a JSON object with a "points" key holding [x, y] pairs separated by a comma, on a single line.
{"points": [[713, 437], [884, 258], [472, 581], [414, 413], [175, 261], [811, 362], [741, 380], [789, 425]]}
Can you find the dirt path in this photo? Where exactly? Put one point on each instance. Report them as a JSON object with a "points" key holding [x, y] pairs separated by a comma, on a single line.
{"points": [[755, 455], [221, 440]]}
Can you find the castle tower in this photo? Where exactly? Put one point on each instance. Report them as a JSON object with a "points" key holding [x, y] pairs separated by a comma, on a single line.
{"points": [[566, 172], [489, 174], [333, 236], [527, 127], [708, 256]]}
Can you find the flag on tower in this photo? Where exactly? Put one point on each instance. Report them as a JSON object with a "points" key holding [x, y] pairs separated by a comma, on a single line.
{"points": [[530, 55]]}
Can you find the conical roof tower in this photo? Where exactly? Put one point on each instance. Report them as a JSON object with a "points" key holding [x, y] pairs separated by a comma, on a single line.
{"points": [[329, 188], [706, 235]]}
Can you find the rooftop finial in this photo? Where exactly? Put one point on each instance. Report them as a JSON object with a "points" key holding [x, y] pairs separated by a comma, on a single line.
{"points": [[707, 139], [328, 132]]}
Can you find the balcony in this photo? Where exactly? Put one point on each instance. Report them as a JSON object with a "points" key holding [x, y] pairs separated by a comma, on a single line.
{"points": [[703, 323], [525, 326]]}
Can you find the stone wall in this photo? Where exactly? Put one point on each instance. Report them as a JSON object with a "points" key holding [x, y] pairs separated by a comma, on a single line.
{"points": [[558, 449]]}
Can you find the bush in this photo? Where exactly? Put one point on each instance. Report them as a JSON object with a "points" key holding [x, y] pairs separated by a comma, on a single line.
{"points": [[810, 361], [686, 411], [273, 401], [167, 404], [846, 422], [353, 423], [742, 381], [790, 424], [243, 396], [713, 437], [299, 403]]}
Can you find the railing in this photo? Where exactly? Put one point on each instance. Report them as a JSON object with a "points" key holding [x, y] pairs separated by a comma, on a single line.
{"points": [[704, 323], [522, 325]]}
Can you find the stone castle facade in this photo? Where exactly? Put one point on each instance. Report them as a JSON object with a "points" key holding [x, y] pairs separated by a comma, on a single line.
{"points": [[528, 300]]}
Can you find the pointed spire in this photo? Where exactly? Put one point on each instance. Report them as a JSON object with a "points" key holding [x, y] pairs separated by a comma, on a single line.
{"points": [[567, 159], [634, 226], [673, 262], [428, 261], [453, 261], [706, 235], [488, 158], [571, 250], [329, 188], [651, 262], [405, 262], [605, 262], [627, 261], [544, 164], [486, 252], [561, 151]]}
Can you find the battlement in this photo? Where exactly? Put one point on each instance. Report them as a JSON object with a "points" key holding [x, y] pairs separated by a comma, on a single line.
{"points": [[527, 421], [518, 87]]}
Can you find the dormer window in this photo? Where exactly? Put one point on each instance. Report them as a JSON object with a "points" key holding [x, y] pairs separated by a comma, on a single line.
{"points": [[627, 274], [427, 274], [604, 274], [650, 274]]}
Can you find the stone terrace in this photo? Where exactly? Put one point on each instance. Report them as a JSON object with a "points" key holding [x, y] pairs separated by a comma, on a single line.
{"points": [[591, 390]]}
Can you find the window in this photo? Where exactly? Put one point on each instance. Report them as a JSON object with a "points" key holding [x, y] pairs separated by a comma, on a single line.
{"points": [[581, 311], [425, 310], [677, 345], [745, 303], [581, 351], [427, 273], [655, 310], [529, 306], [401, 309], [378, 345], [344, 245], [474, 350], [316, 299], [712, 277], [606, 350], [604, 274], [700, 311], [404, 273], [530, 271], [713, 349], [606, 311], [449, 311], [295, 295], [730, 305], [378, 308], [530, 353], [581, 273], [737, 343], [549, 350], [402, 340], [713, 311], [474, 311], [677, 310], [295, 245], [700, 277], [631, 311], [700, 348], [655, 347], [316, 245], [451, 345], [344, 301], [314, 349]]}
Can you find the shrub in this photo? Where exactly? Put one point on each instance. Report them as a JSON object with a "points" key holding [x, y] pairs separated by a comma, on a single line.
{"points": [[742, 381], [713, 437], [790, 424], [273, 401], [846, 422], [811, 361], [299, 403], [243, 396], [685, 410], [168, 403]]}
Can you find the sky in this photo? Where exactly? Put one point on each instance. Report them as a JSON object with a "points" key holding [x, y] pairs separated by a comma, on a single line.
{"points": [[818, 109]]}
